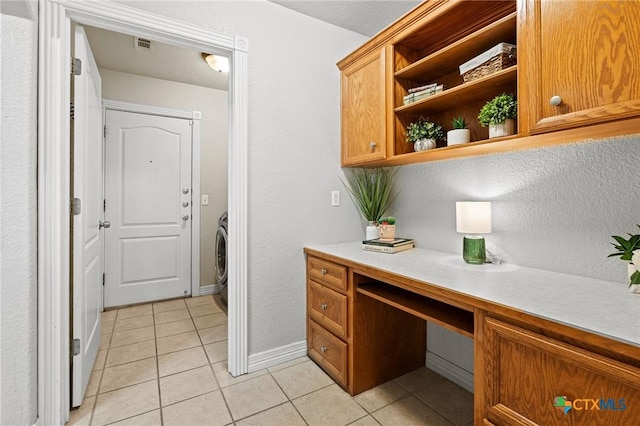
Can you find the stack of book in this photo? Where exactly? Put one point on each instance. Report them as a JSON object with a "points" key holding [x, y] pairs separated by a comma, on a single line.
{"points": [[417, 93], [388, 246]]}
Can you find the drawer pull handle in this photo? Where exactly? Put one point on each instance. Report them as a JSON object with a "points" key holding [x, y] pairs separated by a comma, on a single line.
{"points": [[324, 349], [323, 271], [324, 306], [555, 100], [372, 145]]}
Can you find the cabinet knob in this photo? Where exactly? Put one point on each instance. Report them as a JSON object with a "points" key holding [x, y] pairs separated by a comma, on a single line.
{"points": [[555, 100], [324, 306], [323, 349], [373, 145], [323, 271]]}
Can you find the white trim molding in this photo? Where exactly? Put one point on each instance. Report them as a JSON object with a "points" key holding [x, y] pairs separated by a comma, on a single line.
{"points": [[209, 289], [54, 173], [150, 109], [446, 369], [277, 356]]}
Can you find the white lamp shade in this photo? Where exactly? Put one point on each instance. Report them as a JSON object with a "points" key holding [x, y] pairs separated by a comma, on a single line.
{"points": [[473, 217]]}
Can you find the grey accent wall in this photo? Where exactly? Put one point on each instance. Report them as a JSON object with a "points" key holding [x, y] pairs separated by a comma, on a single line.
{"points": [[18, 204]]}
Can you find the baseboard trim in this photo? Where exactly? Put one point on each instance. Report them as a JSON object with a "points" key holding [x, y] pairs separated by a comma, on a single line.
{"points": [[209, 289], [276, 356], [446, 369]]}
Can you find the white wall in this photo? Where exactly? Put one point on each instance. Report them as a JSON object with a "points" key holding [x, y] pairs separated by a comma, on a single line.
{"points": [[18, 285], [214, 106]]}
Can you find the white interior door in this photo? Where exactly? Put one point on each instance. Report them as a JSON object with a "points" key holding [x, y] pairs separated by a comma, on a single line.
{"points": [[87, 235], [148, 202]]}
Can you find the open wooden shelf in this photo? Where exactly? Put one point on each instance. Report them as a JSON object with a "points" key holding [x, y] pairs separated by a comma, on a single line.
{"points": [[449, 317], [451, 57], [485, 87]]}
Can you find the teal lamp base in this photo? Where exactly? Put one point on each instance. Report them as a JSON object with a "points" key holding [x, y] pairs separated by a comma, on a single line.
{"points": [[473, 250]]}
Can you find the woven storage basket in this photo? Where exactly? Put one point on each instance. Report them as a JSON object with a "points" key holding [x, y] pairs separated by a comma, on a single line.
{"points": [[495, 64]]}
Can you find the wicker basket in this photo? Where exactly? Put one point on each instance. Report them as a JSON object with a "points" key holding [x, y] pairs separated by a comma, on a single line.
{"points": [[495, 64]]}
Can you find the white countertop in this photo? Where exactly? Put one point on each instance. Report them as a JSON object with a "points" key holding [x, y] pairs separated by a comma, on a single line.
{"points": [[601, 307]]}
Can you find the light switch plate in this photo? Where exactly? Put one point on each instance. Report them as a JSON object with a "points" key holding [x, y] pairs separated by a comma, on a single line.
{"points": [[335, 198], [205, 200]]}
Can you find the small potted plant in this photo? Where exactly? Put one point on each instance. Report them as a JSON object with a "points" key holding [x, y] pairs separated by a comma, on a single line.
{"points": [[424, 134], [499, 114], [387, 228], [628, 249], [460, 134]]}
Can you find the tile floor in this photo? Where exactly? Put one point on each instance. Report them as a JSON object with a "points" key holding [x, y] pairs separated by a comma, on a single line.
{"points": [[165, 364]]}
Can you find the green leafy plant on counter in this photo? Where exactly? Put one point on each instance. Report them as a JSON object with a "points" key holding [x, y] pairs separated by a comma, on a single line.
{"points": [[389, 220], [628, 249], [498, 109], [372, 190]]}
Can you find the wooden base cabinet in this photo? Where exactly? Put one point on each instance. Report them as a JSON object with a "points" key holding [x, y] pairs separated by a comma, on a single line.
{"points": [[532, 379]]}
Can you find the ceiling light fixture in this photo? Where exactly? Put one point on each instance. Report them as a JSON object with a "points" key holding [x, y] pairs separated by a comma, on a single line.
{"points": [[216, 62]]}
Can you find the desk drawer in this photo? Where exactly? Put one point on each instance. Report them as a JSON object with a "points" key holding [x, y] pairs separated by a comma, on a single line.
{"points": [[328, 351], [328, 308], [327, 273]]}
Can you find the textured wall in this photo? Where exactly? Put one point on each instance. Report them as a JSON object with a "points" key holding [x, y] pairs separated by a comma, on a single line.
{"points": [[214, 105], [18, 279]]}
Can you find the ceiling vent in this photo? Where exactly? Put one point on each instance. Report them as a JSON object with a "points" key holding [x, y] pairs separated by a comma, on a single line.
{"points": [[142, 43]]}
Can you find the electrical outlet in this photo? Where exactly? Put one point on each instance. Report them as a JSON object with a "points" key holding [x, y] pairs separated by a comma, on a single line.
{"points": [[335, 198], [205, 200]]}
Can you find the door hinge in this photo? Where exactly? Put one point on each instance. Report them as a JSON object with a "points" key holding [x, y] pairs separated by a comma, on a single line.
{"points": [[75, 206], [103, 278], [104, 205], [76, 347], [104, 132], [76, 66], [72, 111]]}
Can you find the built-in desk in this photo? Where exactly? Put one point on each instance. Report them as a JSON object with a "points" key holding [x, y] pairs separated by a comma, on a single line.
{"points": [[537, 334]]}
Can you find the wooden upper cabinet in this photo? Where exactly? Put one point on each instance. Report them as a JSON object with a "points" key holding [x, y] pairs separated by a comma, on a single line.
{"points": [[363, 110], [585, 53]]}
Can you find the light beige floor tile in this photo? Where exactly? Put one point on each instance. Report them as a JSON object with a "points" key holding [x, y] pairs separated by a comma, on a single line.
{"points": [[201, 300], [212, 320], [225, 379], [128, 353], [129, 337], [176, 327], [255, 395], [106, 327], [214, 334], [82, 416], [99, 362], [94, 382], [365, 421], [128, 374], [218, 351], [301, 379], [105, 340], [417, 379], [171, 316], [152, 418], [380, 396], [126, 402], [185, 385], [409, 411], [449, 400], [283, 414], [206, 410], [135, 311], [175, 362], [208, 309], [169, 305], [177, 342], [133, 323], [329, 406], [289, 363], [109, 315]]}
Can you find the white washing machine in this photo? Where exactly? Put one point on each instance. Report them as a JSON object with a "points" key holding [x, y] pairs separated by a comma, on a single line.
{"points": [[221, 256]]}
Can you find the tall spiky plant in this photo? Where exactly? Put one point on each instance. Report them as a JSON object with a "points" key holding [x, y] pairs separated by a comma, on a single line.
{"points": [[372, 190]]}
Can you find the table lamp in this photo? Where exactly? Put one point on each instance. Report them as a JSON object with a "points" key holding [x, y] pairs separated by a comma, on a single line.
{"points": [[473, 218]]}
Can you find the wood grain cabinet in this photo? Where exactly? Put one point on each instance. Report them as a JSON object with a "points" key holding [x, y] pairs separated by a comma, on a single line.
{"points": [[581, 62]]}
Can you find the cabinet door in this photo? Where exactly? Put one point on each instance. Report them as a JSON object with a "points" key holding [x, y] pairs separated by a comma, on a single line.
{"points": [[533, 379], [363, 110], [586, 54]]}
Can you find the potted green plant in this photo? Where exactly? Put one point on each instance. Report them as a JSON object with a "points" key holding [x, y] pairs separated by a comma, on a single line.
{"points": [[499, 114], [460, 134], [372, 191], [424, 134], [628, 249], [387, 228]]}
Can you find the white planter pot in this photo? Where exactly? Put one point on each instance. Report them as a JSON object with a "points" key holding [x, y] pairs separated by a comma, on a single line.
{"points": [[458, 136], [503, 129], [424, 145], [372, 231]]}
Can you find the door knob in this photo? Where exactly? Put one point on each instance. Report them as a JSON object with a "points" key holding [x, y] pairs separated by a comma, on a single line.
{"points": [[185, 190], [185, 217], [106, 224]]}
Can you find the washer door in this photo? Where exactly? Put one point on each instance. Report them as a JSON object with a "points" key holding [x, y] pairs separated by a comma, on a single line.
{"points": [[221, 255]]}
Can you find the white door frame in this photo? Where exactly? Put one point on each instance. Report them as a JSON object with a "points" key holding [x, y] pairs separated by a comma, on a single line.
{"points": [[54, 33], [195, 116]]}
